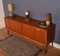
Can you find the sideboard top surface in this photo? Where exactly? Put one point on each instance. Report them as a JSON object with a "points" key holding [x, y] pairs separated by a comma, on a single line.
{"points": [[33, 22]]}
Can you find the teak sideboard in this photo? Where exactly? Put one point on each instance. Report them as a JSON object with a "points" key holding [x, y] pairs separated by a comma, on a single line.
{"points": [[31, 30]]}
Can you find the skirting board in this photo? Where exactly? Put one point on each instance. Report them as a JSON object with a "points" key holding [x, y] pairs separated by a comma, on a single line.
{"points": [[2, 27], [55, 45]]}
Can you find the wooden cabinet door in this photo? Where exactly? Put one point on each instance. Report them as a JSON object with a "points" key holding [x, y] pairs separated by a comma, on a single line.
{"points": [[8, 23], [27, 31], [17, 27], [12, 25], [40, 36]]}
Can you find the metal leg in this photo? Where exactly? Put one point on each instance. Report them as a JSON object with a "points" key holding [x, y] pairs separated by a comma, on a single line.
{"points": [[8, 32], [52, 43], [46, 49], [38, 52]]}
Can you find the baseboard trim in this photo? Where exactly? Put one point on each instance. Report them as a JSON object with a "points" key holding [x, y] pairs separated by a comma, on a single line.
{"points": [[55, 45], [2, 27]]}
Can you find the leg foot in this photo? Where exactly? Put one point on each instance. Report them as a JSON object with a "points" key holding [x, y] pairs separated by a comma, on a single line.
{"points": [[8, 32], [46, 49], [52, 44]]}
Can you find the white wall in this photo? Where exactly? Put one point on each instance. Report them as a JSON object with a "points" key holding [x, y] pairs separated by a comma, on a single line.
{"points": [[2, 24]]}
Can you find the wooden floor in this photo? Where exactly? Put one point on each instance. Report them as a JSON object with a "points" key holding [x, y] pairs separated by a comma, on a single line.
{"points": [[51, 50]]}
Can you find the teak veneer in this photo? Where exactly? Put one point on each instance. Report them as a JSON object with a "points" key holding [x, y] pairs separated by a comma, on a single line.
{"points": [[31, 30]]}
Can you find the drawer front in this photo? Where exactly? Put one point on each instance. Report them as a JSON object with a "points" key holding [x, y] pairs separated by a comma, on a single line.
{"points": [[27, 31]]}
